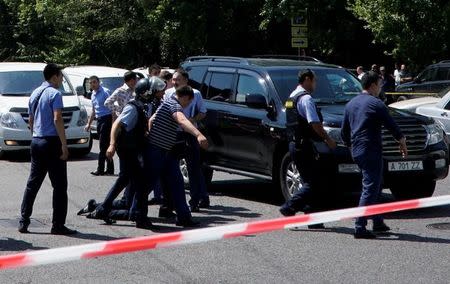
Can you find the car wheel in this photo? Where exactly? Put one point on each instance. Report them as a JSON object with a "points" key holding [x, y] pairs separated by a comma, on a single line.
{"points": [[412, 190], [290, 180]]}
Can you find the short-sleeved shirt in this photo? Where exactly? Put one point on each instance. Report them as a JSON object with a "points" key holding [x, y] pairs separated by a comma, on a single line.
{"points": [[195, 107], [306, 106], [43, 118], [129, 116], [98, 102], [119, 99], [163, 131]]}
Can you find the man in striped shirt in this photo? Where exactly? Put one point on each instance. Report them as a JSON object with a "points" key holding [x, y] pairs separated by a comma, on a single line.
{"points": [[160, 158]]}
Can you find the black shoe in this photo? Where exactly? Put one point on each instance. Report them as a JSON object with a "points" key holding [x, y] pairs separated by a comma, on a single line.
{"points": [[316, 227], [189, 223], [287, 212], [97, 214], [109, 221], [62, 230], [381, 228], [155, 201], [23, 227], [194, 207], [91, 205], [145, 224], [98, 173], [204, 204], [109, 172], [364, 234], [166, 213]]}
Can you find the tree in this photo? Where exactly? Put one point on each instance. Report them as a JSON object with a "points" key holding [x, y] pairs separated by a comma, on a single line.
{"points": [[417, 31]]}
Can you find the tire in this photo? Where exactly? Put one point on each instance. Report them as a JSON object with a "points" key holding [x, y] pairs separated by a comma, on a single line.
{"points": [[289, 180], [413, 189]]}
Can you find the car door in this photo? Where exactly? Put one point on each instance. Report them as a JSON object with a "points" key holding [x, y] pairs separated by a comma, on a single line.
{"points": [[248, 136], [218, 89], [441, 81]]}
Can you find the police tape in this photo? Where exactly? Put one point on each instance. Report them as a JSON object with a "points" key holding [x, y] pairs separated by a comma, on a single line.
{"points": [[86, 251], [411, 94]]}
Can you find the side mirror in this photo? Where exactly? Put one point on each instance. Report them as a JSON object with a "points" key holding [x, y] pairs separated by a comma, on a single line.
{"points": [[257, 101], [80, 91]]}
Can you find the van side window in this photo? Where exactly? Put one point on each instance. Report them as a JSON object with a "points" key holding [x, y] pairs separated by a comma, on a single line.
{"points": [[249, 85], [196, 75], [220, 87]]}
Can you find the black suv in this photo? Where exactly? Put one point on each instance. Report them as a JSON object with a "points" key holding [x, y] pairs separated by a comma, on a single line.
{"points": [[433, 79], [246, 126]]}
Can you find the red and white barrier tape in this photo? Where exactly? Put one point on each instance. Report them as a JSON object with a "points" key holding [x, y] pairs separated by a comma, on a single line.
{"points": [[64, 254]]}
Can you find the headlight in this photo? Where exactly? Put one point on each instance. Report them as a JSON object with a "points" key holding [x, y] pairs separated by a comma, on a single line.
{"points": [[334, 133], [435, 134], [83, 118], [8, 119]]}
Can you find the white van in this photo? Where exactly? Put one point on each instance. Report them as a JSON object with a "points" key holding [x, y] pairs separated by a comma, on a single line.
{"points": [[110, 78], [17, 82]]}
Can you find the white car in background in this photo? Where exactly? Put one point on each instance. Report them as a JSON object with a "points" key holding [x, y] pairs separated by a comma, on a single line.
{"points": [[437, 108], [110, 78], [17, 82]]}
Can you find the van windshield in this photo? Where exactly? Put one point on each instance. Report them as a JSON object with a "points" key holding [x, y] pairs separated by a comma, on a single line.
{"points": [[23, 83], [111, 83], [332, 85]]}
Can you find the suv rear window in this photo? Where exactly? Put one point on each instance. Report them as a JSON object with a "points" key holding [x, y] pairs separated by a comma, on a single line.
{"points": [[332, 85], [23, 83]]}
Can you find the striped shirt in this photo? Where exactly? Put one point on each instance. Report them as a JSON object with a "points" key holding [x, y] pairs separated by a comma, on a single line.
{"points": [[163, 132]]}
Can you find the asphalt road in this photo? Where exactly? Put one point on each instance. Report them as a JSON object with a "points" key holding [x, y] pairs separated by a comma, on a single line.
{"points": [[413, 253]]}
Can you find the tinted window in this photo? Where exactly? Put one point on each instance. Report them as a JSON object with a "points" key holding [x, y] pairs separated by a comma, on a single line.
{"points": [[23, 83], [332, 85], [249, 85], [220, 87], [196, 75], [112, 83], [443, 74], [428, 75]]}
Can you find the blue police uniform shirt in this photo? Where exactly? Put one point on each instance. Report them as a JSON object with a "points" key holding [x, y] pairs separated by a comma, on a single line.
{"points": [[129, 116], [43, 118], [98, 102], [195, 107], [361, 129], [306, 106]]}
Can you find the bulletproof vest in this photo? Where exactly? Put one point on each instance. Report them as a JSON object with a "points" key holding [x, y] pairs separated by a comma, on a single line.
{"points": [[298, 128], [135, 138]]}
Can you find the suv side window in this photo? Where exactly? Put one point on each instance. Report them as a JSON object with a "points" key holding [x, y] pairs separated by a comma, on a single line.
{"points": [[428, 75], [443, 74], [196, 74], [220, 87], [249, 85]]}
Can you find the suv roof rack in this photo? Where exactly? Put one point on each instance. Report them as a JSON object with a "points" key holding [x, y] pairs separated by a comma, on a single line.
{"points": [[218, 59], [293, 57], [444, 61]]}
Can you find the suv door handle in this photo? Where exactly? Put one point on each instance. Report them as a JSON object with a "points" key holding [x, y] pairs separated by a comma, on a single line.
{"points": [[444, 114]]}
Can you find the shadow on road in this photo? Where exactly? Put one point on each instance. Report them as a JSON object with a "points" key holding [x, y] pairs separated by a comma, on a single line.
{"points": [[24, 157], [17, 245], [424, 213]]}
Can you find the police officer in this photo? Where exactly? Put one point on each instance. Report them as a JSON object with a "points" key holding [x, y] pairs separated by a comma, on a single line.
{"points": [[104, 124], [128, 137], [195, 112], [160, 158], [49, 151], [364, 116], [304, 126]]}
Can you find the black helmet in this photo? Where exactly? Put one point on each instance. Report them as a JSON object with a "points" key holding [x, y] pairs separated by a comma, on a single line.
{"points": [[146, 88]]}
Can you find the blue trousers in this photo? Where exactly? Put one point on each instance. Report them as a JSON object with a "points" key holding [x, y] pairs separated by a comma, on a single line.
{"points": [[372, 177], [45, 153], [161, 164], [195, 171]]}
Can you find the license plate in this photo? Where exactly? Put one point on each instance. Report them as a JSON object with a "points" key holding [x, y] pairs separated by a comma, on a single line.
{"points": [[405, 166]]}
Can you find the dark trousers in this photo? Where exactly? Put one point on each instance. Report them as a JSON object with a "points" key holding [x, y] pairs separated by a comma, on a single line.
{"points": [[130, 177], [104, 124], [306, 197], [45, 153], [162, 164], [372, 177], [197, 182]]}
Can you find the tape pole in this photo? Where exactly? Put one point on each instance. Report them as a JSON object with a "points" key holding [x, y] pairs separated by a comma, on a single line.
{"points": [[93, 250]]}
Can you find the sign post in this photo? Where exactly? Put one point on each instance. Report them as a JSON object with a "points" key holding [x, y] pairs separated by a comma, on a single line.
{"points": [[299, 31]]}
